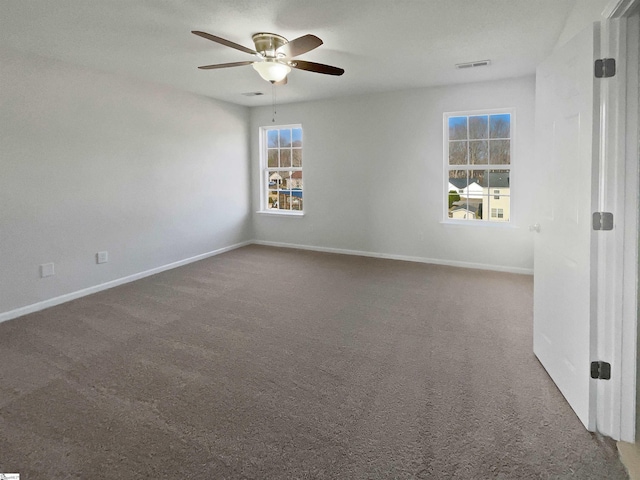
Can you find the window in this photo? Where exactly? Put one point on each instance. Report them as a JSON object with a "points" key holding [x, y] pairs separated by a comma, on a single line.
{"points": [[478, 147], [497, 213], [281, 167]]}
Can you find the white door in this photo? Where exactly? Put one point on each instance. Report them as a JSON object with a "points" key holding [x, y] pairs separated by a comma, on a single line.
{"points": [[564, 279]]}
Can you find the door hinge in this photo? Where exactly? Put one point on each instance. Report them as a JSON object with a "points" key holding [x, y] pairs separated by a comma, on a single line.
{"points": [[602, 221], [605, 67], [601, 370]]}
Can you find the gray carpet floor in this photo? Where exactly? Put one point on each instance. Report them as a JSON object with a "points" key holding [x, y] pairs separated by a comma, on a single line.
{"points": [[270, 363]]}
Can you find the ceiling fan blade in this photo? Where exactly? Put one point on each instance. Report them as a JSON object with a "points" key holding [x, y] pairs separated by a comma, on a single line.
{"points": [[224, 65], [300, 45], [316, 67], [222, 41]]}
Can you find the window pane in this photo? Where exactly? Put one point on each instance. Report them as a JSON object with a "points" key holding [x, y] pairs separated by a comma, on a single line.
{"points": [[286, 180], [456, 195], [295, 191], [272, 138], [453, 199], [478, 152], [499, 179], [500, 152], [283, 201], [457, 128], [296, 137], [500, 126], [466, 209], [272, 199], [287, 195], [477, 183], [295, 180], [296, 203], [272, 158], [296, 161], [457, 153], [285, 158], [479, 127], [481, 208], [458, 209], [285, 137], [500, 209], [458, 180], [275, 180]]}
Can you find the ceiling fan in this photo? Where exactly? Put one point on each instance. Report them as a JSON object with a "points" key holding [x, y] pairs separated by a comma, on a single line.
{"points": [[275, 55]]}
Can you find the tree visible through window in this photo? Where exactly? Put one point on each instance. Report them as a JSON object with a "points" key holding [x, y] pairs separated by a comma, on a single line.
{"points": [[281, 160], [478, 166]]}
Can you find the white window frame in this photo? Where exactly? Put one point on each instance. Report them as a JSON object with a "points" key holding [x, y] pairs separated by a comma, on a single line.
{"points": [[446, 168], [266, 171]]}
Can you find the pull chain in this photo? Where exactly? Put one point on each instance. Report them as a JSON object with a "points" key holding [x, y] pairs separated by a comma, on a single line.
{"points": [[273, 102]]}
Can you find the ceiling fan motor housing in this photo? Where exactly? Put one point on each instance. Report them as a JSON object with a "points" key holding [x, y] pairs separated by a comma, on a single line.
{"points": [[267, 44]]}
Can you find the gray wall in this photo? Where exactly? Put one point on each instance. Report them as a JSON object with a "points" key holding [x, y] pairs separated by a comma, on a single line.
{"points": [[584, 13], [91, 161], [373, 176]]}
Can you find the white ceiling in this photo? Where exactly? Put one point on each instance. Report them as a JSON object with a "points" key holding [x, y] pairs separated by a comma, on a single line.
{"points": [[383, 45]]}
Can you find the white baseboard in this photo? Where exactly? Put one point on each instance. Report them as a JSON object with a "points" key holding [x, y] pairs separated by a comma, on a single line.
{"points": [[406, 258], [18, 312]]}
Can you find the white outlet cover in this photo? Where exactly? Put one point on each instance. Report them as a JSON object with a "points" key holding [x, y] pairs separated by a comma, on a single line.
{"points": [[103, 257], [46, 270]]}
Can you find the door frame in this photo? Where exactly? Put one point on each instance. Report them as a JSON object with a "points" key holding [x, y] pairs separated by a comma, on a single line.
{"points": [[617, 257]]}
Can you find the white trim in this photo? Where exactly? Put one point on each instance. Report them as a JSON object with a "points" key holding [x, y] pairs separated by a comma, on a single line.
{"points": [[629, 345], [52, 302], [618, 249], [264, 168], [618, 8], [479, 167], [282, 213], [35, 307], [611, 198], [405, 258], [475, 223], [614, 410]]}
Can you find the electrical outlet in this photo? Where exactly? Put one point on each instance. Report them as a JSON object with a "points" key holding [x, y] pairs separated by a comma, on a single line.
{"points": [[46, 270], [102, 257]]}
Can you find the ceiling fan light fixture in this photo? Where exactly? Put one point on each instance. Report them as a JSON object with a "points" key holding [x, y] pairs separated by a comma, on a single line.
{"points": [[272, 71]]}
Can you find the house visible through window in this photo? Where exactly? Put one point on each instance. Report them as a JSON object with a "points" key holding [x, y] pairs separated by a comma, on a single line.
{"points": [[478, 166], [281, 164]]}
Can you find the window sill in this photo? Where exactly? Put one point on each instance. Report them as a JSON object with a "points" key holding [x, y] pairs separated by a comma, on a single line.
{"points": [[278, 213], [478, 223]]}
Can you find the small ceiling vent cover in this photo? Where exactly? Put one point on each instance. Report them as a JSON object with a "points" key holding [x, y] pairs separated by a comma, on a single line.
{"points": [[478, 63]]}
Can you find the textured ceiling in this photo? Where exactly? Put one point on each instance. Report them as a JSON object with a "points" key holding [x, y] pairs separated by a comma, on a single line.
{"points": [[383, 45]]}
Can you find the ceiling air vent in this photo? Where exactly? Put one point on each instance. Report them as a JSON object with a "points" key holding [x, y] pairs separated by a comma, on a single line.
{"points": [[478, 63], [253, 94]]}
